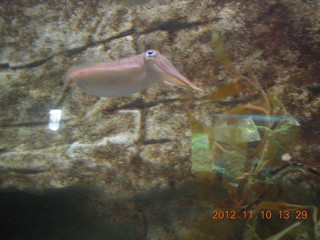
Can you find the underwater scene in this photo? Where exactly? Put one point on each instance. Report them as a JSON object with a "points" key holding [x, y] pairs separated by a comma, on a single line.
{"points": [[159, 120]]}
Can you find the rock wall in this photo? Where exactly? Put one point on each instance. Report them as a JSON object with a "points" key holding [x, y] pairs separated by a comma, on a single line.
{"points": [[132, 145]]}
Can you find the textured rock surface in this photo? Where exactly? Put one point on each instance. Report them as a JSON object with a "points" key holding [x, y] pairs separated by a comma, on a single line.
{"points": [[129, 147]]}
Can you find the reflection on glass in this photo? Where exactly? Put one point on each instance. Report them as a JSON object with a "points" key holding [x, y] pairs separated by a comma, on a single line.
{"points": [[54, 119]]}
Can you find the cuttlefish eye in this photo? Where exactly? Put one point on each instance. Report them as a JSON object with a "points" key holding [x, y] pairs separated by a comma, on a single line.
{"points": [[151, 53]]}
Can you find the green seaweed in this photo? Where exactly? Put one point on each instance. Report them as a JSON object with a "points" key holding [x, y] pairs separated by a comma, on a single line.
{"points": [[201, 149], [285, 231], [219, 49], [3, 86], [249, 61]]}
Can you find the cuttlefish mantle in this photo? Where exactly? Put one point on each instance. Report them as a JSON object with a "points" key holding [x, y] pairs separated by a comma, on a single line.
{"points": [[127, 76]]}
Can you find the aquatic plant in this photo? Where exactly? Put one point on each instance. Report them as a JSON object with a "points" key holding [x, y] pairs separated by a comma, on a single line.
{"points": [[3, 86], [237, 160]]}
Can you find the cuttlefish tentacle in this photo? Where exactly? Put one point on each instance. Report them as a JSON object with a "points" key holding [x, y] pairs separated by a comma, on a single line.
{"points": [[175, 77], [126, 76]]}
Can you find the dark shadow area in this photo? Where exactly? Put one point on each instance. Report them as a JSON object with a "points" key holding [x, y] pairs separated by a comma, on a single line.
{"points": [[63, 214], [79, 213]]}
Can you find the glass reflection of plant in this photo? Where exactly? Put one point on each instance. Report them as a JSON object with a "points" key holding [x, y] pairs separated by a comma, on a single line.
{"points": [[245, 147]]}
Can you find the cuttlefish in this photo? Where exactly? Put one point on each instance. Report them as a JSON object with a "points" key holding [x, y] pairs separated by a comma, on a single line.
{"points": [[127, 76]]}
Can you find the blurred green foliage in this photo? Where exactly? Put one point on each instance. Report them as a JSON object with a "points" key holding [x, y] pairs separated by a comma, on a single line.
{"points": [[3, 86], [230, 156]]}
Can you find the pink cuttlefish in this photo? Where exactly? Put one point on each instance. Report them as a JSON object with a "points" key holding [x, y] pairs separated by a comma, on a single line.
{"points": [[127, 76]]}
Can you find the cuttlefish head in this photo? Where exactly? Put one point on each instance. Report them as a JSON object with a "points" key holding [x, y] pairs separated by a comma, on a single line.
{"points": [[161, 68]]}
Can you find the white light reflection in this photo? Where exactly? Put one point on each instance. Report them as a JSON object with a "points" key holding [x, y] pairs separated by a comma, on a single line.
{"points": [[54, 119]]}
